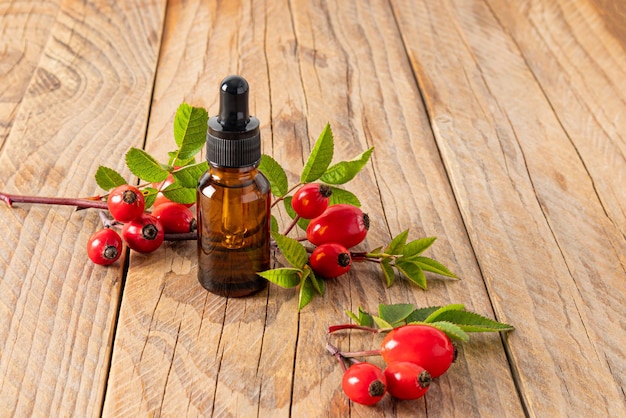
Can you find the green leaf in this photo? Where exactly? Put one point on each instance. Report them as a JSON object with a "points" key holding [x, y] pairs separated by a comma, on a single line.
{"points": [[363, 319], [307, 292], [343, 196], [396, 312], [176, 193], [433, 266], [472, 322], [302, 223], [179, 163], [320, 157], [145, 166], [388, 272], [107, 178], [190, 127], [292, 250], [418, 246], [453, 331], [419, 315], [150, 195], [273, 224], [283, 277], [397, 243], [412, 271], [189, 175], [318, 284], [434, 316], [345, 171], [381, 323], [275, 174]]}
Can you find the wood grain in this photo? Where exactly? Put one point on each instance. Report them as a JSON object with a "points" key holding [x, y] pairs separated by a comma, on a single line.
{"points": [[496, 129], [25, 27], [301, 77], [86, 103]]}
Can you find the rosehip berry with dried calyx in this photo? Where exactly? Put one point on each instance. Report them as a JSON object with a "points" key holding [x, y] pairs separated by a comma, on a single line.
{"points": [[342, 223], [311, 200], [126, 203], [364, 383], [330, 260], [425, 345], [144, 234], [406, 380], [175, 218], [104, 247]]}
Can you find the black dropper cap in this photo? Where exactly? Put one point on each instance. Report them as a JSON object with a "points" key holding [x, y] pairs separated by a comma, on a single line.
{"points": [[233, 138]]}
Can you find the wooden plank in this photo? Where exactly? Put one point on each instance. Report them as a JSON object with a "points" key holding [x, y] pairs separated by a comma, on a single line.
{"points": [[87, 102], [180, 349], [578, 54], [551, 256], [25, 25]]}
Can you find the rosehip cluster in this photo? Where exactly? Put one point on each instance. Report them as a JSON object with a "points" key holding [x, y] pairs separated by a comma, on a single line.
{"points": [[414, 354], [143, 232], [332, 229]]}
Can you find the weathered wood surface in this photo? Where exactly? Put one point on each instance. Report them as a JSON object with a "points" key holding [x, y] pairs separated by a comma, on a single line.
{"points": [[498, 127]]}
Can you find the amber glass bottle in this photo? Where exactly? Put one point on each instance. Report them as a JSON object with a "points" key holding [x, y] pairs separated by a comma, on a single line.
{"points": [[233, 205]]}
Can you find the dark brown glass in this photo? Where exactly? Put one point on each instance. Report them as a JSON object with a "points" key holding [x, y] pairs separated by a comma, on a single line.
{"points": [[233, 210]]}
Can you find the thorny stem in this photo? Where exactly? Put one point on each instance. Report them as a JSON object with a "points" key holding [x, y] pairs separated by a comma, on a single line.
{"points": [[80, 203]]}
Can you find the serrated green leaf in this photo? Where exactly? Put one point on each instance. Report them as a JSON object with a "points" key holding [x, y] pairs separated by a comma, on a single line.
{"points": [[388, 272], [433, 266], [320, 157], [283, 277], [150, 195], [273, 224], [189, 175], [472, 322], [412, 271], [190, 127], [307, 293], [365, 319], [453, 331], [419, 315], [176, 193], [179, 162], [381, 323], [107, 178], [318, 284], [397, 243], [275, 175], [145, 166], [292, 250], [434, 316], [302, 223], [343, 196], [344, 171], [395, 313], [418, 246], [352, 316]]}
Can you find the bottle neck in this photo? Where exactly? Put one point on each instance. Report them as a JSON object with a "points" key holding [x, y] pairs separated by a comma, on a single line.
{"points": [[232, 175]]}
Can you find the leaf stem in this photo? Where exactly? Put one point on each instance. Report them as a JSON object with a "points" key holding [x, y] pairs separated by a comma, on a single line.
{"points": [[292, 224], [80, 203], [278, 199], [334, 328]]}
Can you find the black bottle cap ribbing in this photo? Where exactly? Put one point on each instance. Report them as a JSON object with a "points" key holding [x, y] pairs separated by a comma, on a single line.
{"points": [[233, 138]]}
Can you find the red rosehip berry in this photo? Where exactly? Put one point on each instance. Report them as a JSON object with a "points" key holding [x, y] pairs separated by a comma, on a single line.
{"points": [[420, 344], [406, 380], [175, 218], [104, 247], [330, 260], [364, 383], [311, 200], [343, 224], [126, 203], [144, 234]]}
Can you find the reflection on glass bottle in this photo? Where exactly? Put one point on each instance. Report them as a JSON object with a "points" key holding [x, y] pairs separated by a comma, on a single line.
{"points": [[233, 202]]}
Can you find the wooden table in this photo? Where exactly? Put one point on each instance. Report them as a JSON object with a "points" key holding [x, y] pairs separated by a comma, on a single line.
{"points": [[499, 127]]}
